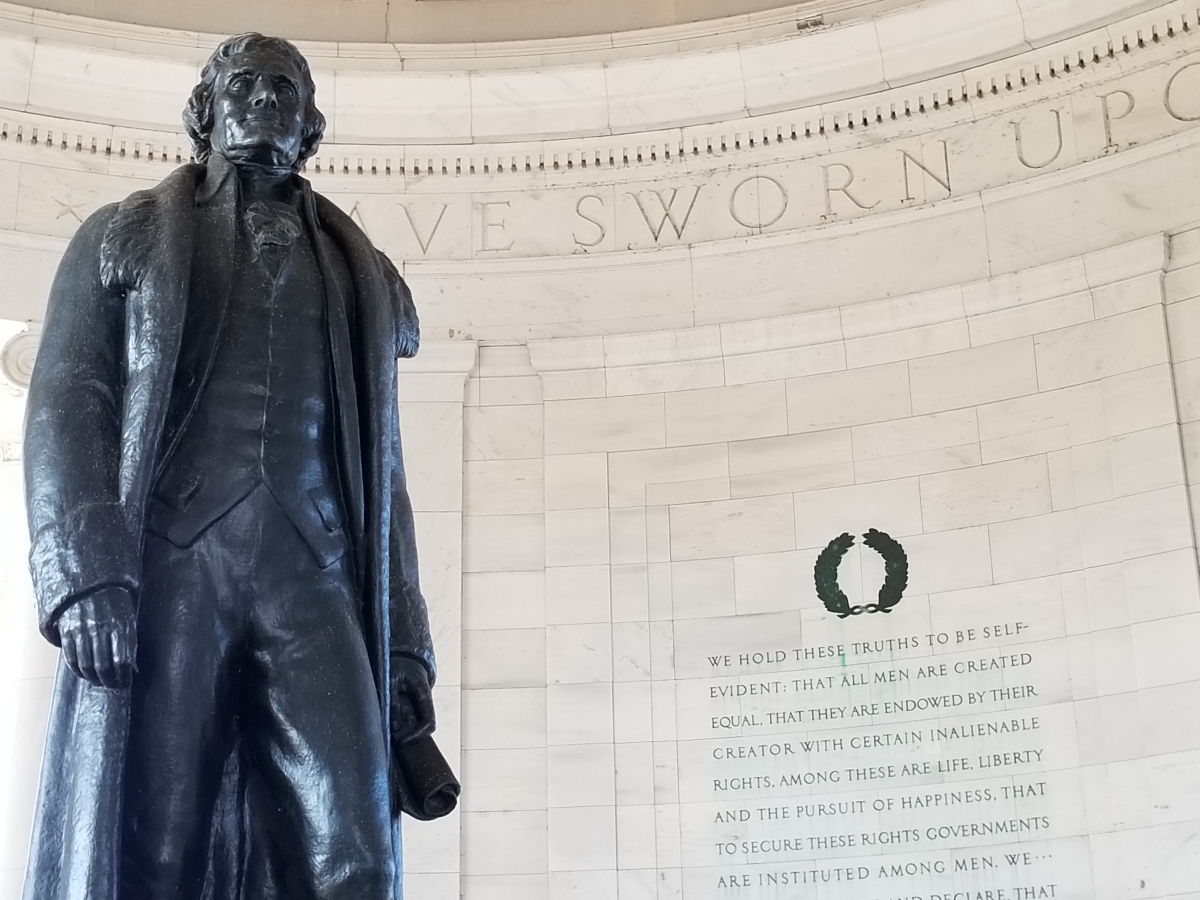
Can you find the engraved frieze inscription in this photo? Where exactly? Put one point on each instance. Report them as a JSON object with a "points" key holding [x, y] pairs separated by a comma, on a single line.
{"points": [[616, 207]]}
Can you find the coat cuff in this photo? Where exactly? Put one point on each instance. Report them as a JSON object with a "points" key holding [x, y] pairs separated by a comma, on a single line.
{"points": [[88, 550], [410, 628], [425, 659]]}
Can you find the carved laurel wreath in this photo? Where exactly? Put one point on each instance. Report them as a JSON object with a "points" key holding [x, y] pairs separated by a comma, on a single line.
{"points": [[895, 574]]}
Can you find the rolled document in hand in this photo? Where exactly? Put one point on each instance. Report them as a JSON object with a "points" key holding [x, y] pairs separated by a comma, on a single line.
{"points": [[426, 786]]}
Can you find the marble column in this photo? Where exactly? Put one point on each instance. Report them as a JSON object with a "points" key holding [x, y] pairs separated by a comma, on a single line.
{"points": [[27, 669], [431, 391]]}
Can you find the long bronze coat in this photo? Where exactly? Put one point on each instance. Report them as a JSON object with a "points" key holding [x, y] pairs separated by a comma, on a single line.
{"points": [[111, 374]]}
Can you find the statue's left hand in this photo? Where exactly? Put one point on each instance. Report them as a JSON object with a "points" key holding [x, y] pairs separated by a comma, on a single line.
{"points": [[412, 702]]}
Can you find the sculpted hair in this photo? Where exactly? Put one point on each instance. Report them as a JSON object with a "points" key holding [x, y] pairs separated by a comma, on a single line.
{"points": [[198, 114]]}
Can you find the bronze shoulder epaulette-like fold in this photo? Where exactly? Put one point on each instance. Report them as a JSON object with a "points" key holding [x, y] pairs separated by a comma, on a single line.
{"points": [[404, 312], [129, 242]]}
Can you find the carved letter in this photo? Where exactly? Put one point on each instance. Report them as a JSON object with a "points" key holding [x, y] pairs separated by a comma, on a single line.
{"points": [[761, 223], [485, 223], [1167, 97], [417, 232], [1109, 118], [829, 189], [906, 158], [579, 211], [1021, 146], [355, 214], [668, 212]]}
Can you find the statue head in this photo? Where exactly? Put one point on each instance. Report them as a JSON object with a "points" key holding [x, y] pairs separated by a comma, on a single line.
{"points": [[255, 105]]}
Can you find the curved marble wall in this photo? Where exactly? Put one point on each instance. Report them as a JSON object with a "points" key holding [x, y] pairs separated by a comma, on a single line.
{"points": [[693, 308]]}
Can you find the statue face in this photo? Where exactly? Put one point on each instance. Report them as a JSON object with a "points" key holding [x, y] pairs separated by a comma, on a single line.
{"points": [[258, 110]]}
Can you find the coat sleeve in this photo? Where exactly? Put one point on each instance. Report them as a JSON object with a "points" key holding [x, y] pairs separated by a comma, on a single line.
{"points": [[79, 538], [404, 311], [409, 615]]}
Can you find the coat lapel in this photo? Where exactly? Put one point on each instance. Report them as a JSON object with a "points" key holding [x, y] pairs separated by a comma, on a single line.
{"points": [[374, 368], [154, 333], [338, 294], [214, 263]]}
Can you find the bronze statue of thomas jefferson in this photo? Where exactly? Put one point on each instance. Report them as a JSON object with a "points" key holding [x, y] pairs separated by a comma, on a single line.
{"points": [[222, 540]]}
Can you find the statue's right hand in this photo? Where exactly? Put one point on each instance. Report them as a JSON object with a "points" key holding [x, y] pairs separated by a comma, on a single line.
{"points": [[99, 637]]}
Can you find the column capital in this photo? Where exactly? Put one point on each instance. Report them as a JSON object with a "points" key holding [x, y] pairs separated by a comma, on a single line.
{"points": [[438, 373]]}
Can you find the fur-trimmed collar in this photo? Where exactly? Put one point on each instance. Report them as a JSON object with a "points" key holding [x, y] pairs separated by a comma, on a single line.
{"points": [[131, 241]]}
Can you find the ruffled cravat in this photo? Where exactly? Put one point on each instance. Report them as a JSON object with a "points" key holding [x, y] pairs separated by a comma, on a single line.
{"points": [[274, 229]]}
